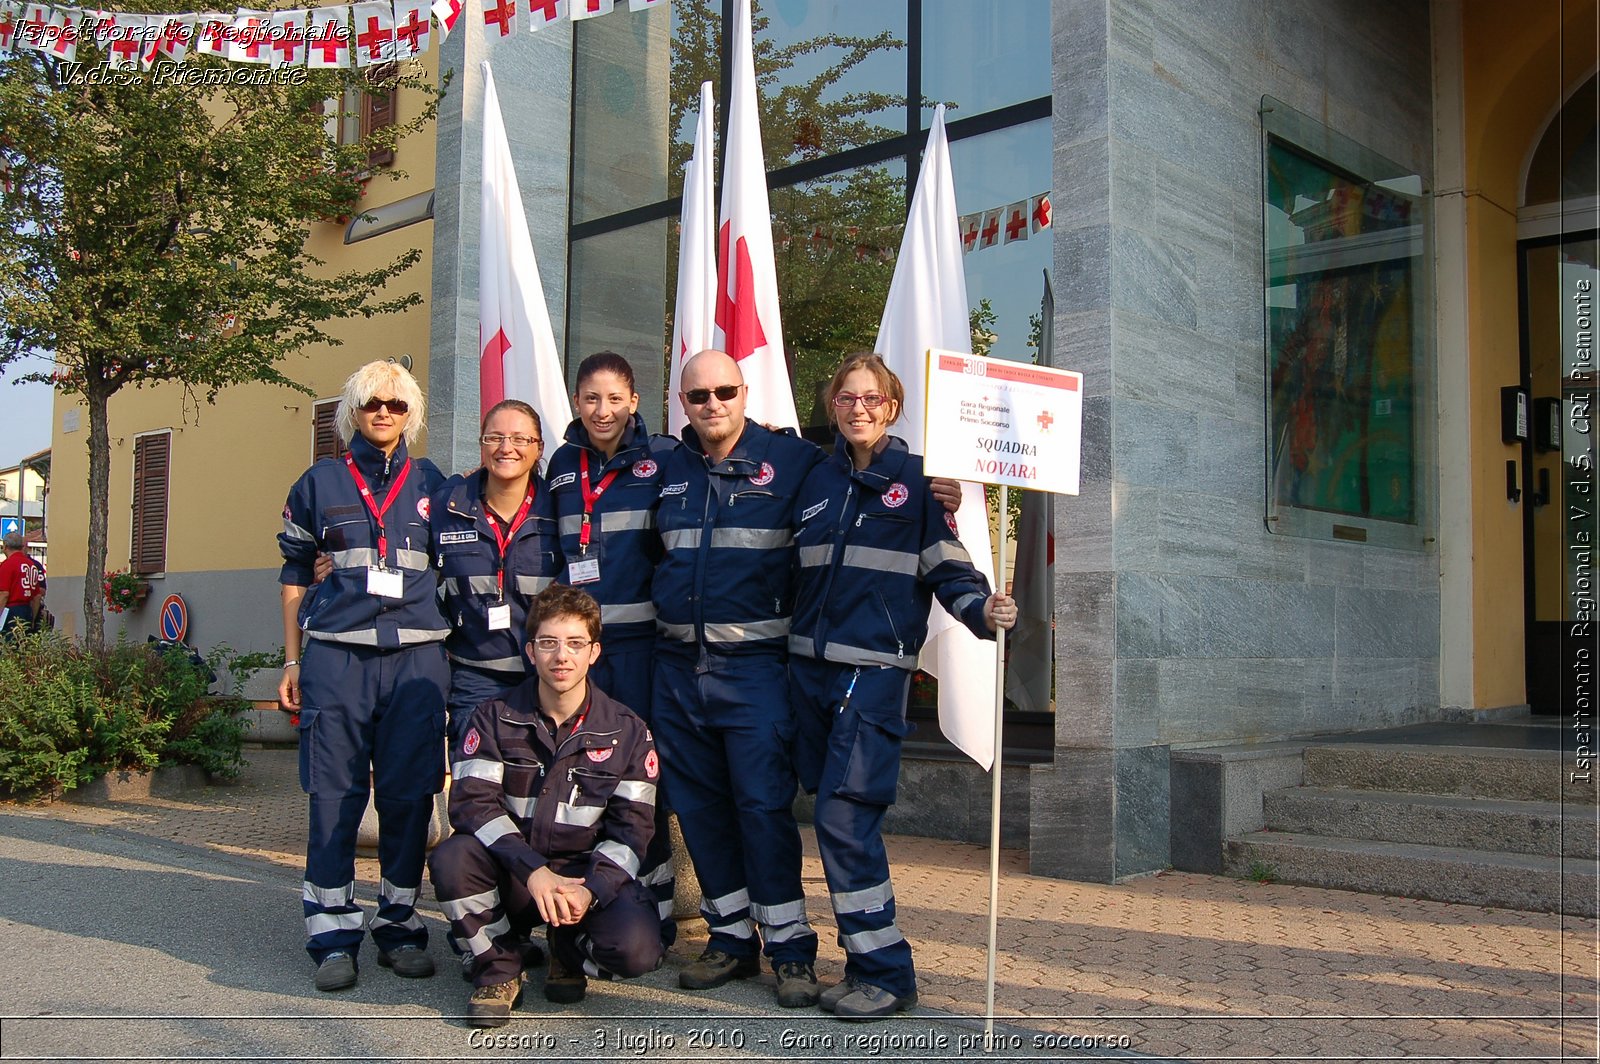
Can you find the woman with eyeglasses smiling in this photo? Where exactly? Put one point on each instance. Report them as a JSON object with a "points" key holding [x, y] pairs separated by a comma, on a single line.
{"points": [[875, 548], [365, 668], [605, 481]]}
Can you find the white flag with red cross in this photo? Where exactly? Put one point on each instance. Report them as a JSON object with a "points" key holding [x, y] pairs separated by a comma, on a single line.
{"points": [[694, 315], [62, 33], [645, 5], [413, 29], [582, 9], [32, 29], [374, 24], [542, 13], [989, 229], [500, 17], [517, 348], [328, 43], [125, 41], [1015, 221], [169, 39], [211, 38], [249, 41], [448, 12], [288, 39], [1040, 211], [10, 18], [927, 308], [969, 231], [747, 320]]}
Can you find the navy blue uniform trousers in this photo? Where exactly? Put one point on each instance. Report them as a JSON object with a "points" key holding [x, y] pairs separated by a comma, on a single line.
{"points": [[378, 715]]}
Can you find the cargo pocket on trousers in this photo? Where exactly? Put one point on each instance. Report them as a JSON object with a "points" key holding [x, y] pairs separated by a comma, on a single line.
{"points": [[872, 773], [307, 730]]}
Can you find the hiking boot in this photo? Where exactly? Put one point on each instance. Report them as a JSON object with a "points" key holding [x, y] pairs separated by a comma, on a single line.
{"points": [[490, 1006], [408, 962], [868, 1002], [563, 985], [336, 971], [837, 992], [715, 968], [797, 985]]}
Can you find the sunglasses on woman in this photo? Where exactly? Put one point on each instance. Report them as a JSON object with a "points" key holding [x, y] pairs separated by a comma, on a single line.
{"points": [[395, 406]]}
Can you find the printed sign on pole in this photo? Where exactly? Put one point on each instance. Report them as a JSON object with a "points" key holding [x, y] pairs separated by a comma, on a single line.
{"points": [[1002, 422]]}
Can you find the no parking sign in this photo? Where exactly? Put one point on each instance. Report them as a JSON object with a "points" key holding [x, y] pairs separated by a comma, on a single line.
{"points": [[174, 619]]}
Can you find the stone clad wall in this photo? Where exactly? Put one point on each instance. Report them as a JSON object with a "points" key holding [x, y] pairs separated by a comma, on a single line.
{"points": [[1181, 619]]}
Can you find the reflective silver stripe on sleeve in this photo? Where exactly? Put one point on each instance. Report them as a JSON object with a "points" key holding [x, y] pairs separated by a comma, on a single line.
{"points": [[684, 633], [681, 539], [479, 769], [870, 900], [353, 558], [579, 816], [532, 585], [627, 612], [626, 520], [328, 897], [845, 654], [366, 637], [321, 923], [776, 628], [960, 605], [474, 585], [495, 830], [728, 904], [492, 664], [887, 561], [664, 909], [479, 944], [751, 538], [571, 524], [867, 941], [413, 636], [946, 550], [475, 903], [516, 806], [415, 560], [776, 915], [810, 557], [398, 895], [622, 856], [294, 531], [661, 873], [637, 791]]}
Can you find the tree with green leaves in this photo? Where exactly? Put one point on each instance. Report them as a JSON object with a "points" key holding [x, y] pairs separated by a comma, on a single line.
{"points": [[156, 231]]}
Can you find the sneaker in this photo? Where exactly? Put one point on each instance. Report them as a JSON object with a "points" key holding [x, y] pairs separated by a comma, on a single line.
{"points": [[797, 985], [868, 1002], [490, 1006], [336, 971], [408, 962], [837, 992], [563, 985], [715, 968]]}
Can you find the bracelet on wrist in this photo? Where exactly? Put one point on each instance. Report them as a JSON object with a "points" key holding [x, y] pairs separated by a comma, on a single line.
{"points": [[295, 661]]}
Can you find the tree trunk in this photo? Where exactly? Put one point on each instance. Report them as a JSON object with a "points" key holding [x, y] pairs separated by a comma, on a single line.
{"points": [[94, 595]]}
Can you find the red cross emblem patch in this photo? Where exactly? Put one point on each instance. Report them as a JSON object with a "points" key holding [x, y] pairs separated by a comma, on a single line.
{"points": [[950, 519], [287, 514], [599, 754], [645, 468], [896, 496], [763, 478], [422, 507], [652, 765], [469, 745]]}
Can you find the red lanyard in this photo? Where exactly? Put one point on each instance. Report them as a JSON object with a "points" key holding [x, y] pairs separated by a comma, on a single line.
{"points": [[504, 542], [590, 496], [377, 511]]}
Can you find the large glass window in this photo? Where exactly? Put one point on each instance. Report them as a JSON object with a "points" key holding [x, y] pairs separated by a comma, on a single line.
{"points": [[1347, 335]]}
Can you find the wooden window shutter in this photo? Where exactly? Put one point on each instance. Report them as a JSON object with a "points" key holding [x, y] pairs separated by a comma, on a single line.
{"points": [[152, 457], [325, 441], [377, 112]]}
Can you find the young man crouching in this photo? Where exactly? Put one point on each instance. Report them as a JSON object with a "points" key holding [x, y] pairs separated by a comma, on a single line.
{"points": [[552, 805]]}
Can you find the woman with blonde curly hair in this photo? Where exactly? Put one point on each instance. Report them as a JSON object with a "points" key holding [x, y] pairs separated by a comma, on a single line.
{"points": [[366, 670]]}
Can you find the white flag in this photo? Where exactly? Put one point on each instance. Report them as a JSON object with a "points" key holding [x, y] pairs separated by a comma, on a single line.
{"points": [[748, 326], [61, 33], [693, 316], [412, 28], [448, 12], [328, 46], [542, 13], [502, 15], [170, 40], [289, 39], [125, 41], [248, 42], [10, 18], [374, 33], [212, 36], [582, 9], [927, 307], [518, 358]]}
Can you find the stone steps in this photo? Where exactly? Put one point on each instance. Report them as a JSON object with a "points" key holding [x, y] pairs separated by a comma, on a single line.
{"points": [[1467, 771]]}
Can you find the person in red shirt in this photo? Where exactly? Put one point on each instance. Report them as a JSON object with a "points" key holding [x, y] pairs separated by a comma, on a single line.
{"points": [[22, 584]]}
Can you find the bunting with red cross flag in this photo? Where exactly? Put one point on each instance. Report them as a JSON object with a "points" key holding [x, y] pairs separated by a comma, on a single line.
{"points": [[328, 43], [969, 231], [288, 39], [31, 30], [249, 43], [500, 17], [212, 36], [645, 5], [170, 40], [10, 17], [448, 12], [1016, 221], [1039, 213], [989, 229], [62, 33], [582, 9], [413, 29], [374, 25], [542, 13], [126, 41]]}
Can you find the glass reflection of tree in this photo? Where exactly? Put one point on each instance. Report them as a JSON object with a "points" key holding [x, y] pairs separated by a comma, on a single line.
{"points": [[833, 237]]}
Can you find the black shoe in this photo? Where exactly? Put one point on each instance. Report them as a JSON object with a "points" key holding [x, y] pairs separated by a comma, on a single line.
{"points": [[715, 967], [563, 985], [797, 985], [490, 1006], [336, 971], [408, 962], [870, 1002]]}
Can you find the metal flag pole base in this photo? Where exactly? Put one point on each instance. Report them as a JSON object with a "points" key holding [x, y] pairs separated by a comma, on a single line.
{"points": [[994, 797]]}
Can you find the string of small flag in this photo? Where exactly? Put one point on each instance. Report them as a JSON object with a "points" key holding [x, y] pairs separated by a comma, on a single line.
{"points": [[981, 230]]}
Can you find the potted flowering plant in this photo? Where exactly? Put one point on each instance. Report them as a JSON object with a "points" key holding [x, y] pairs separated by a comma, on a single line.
{"points": [[124, 590]]}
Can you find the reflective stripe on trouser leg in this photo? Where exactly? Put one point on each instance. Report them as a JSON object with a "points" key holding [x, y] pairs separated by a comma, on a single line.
{"points": [[656, 873], [333, 920], [484, 903], [625, 673], [402, 844]]}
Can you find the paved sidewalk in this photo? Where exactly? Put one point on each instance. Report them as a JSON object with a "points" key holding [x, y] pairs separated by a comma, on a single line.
{"points": [[1174, 965]]}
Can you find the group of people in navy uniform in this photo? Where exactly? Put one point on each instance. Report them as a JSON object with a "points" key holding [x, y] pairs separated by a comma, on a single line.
{"points": [[710, 622]]}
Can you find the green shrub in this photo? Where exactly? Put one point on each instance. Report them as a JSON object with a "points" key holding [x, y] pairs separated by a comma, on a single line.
{"points": [[68, 715]]}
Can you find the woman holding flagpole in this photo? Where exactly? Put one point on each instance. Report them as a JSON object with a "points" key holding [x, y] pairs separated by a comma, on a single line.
{"points": [[875, 547]]}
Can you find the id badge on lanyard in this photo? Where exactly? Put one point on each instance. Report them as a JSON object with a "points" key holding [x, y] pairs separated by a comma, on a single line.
{"points": [[386, 583], [381, 580]]}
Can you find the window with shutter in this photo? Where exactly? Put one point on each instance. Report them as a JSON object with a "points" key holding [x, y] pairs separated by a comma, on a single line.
{"points": [[325, 441], [152, 471], [378, 111]]}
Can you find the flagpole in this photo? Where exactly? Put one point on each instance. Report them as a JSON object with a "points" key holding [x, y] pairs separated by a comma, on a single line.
{"points": [[994, 797]]}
